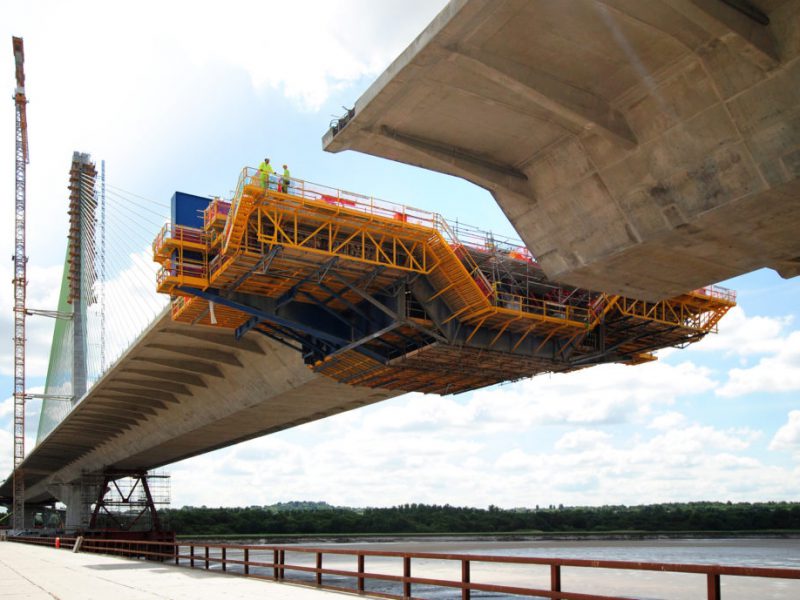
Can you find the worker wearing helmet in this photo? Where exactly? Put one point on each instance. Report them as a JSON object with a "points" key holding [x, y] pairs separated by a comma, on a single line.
{"points": [[287, 179], [266, 173]]}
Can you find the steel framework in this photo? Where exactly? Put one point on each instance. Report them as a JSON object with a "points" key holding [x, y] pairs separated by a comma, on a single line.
{"points": [[127, 501], [383, 295], [20, 283]]}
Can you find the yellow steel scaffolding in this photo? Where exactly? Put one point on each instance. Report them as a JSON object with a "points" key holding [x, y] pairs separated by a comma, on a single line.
{"points": [[307, 243]]}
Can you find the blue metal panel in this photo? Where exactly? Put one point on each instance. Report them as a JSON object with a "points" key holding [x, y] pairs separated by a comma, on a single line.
{"points": [[187, 209]]}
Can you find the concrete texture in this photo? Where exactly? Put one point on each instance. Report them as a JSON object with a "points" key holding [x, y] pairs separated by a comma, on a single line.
{"points": [[36, 573], [642, 148], [182, 390]]}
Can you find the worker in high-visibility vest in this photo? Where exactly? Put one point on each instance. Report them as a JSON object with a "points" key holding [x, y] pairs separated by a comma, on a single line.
{"points": [[287, 179], [266, 173]]}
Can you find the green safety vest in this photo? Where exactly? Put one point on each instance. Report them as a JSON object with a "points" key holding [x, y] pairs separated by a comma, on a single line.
{"points": [[265, 169]]}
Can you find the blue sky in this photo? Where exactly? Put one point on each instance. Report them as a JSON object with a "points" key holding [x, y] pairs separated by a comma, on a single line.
{"points": [[185, 100]]}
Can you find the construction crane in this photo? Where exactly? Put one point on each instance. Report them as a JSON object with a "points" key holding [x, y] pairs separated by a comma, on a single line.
{"points": [[20, 282]]}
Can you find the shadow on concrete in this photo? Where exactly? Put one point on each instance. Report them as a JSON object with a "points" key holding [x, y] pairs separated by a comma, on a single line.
{"points": [[126, 566], [156, 568]]}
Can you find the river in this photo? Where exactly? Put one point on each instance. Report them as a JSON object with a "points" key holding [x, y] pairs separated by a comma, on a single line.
{"points": [[753, 552]]}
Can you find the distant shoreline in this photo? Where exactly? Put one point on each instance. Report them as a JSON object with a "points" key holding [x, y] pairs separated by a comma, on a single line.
{"points": [[521, 536]]}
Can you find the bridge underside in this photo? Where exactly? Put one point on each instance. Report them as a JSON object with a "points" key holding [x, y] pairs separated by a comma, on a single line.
{"points": [[640, 148], [183, 390]]}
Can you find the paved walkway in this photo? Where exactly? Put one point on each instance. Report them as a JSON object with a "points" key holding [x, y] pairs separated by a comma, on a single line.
{"points": [[37, 573]]}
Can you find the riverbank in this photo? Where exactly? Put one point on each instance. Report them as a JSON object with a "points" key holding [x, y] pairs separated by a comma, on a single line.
{"points": [[521, 536]]}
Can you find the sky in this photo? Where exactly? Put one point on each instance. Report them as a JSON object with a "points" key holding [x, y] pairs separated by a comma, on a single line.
{"points": [[181, 96]]}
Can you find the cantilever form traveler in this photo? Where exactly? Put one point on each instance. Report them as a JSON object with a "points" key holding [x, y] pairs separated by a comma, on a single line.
{"points": [[377, 294]]}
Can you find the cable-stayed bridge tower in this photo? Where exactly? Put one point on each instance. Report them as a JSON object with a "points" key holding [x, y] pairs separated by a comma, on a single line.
{"points": [[106, 300]]}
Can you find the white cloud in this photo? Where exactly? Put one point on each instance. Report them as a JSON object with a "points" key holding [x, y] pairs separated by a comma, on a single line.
{"points": [[42, 293], [693, 463], [692, 441], [401, 451], [742, 335], [7, 430], [600, 395], [583, 439], [779, 372], [304, 48], [669, 420], [788, 436]]}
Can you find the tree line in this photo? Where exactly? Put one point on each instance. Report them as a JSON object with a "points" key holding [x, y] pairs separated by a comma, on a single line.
{"points": [[303, 518]]}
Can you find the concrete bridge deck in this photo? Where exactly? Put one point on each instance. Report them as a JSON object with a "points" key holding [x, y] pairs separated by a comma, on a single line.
{"points": [[36, 573], [640, 148], [179, 391]]}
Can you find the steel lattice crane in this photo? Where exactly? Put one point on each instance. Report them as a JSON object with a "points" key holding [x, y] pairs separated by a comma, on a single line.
{"points": [[20, 283]]}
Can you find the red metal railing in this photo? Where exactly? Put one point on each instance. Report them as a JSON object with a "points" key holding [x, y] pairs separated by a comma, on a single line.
{"points": [[270, 562], [716, 291]]}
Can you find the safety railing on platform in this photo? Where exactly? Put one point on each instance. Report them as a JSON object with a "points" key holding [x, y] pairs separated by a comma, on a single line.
{"points": [[172, 236], [337, 198], [216, 213], [486, 241], [177, 305], [543, 308], [452, 231], [718, 292], [326, 568], [182, 271], [672, 312], [483, 276]]}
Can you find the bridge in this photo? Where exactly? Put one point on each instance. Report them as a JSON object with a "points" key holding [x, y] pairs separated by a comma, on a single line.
{"points": [[615, 135], [289, 302]]}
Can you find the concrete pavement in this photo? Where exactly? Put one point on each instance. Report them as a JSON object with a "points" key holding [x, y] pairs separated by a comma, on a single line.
{"points": [[37, 573]]}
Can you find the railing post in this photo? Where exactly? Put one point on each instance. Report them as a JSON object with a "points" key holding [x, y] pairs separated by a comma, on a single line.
{"points": [[177, 548], [360, 582], [406, 577], [206, 553], [555, 580], [275, 564], [319, 566], [281, 561], [224, 559], [191, 556], [247, 561], [465, 591], [714, 589]]}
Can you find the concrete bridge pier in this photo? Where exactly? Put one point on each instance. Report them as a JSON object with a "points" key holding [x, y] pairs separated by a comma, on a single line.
{"points": [[78, 497]]}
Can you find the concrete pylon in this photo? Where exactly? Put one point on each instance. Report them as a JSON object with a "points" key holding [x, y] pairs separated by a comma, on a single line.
{"points": [[78, 497]]}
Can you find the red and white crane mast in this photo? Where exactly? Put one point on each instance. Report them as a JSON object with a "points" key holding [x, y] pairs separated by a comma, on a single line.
{"points": [[20, 283]]}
